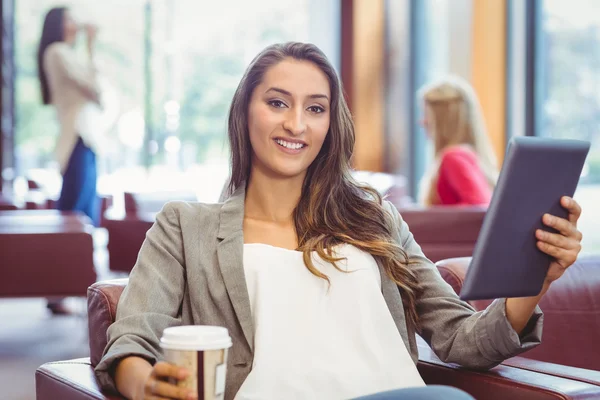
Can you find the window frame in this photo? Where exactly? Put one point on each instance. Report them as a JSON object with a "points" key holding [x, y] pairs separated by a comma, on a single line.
{"points": [[7, 100]]}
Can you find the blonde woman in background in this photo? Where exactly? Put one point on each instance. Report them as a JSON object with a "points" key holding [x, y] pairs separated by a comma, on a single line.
{"points": [[465, 169]]}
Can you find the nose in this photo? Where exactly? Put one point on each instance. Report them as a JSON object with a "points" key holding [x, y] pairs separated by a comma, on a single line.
{"points": [[294, 122]]}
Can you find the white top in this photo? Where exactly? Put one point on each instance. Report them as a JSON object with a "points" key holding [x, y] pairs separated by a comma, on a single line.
{"points": [[75, 94], [315, 343]]}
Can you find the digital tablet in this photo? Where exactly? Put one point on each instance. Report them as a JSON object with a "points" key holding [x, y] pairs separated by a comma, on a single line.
{"points": [[536, 173]]}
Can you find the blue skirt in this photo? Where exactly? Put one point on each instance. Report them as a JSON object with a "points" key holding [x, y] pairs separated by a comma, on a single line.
{"points": [[79, 183]]}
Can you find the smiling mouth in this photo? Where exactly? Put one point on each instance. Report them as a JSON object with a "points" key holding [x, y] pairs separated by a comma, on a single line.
{"points": [[290, 145]]}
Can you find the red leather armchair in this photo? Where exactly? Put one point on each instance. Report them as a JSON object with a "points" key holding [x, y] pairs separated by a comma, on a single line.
{"points": [[571, 316], [74, 379], [445, 232]]}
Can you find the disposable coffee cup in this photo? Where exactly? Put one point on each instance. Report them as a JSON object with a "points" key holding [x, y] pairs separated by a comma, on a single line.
{"points": [[202, 350]]}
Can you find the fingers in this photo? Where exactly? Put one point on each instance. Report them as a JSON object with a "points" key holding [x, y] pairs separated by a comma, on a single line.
{"points": [[564, 226], [166, 370], [564, 257], [158, 387], [558, 240], [572, 207], [551, 250]]}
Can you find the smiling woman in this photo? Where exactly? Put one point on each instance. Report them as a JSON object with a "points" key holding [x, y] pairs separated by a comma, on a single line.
{"points": [[318, 280]]}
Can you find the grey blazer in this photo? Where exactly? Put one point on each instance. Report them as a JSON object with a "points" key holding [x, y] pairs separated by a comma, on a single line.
{"points": [[190, 271]]}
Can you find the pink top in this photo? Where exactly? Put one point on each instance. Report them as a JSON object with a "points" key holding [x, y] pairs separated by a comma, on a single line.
{"points": [[461, 180]]}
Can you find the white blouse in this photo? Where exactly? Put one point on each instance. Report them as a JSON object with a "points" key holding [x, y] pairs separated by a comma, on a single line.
{"points": [[314, 341]]}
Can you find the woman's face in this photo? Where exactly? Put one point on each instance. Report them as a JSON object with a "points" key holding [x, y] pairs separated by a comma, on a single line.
{"points": [[288, 118], [70, 27]]}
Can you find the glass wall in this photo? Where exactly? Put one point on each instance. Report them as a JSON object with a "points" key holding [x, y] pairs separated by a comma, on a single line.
{"points": [[568, 92], [169, 69], [432, 22], [425, 41], [120, 57]]}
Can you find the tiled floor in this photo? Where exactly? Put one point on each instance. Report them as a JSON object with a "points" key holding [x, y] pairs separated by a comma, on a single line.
{"points": [[30, 336]]}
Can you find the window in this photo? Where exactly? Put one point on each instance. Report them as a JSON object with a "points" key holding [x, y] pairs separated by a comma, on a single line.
{"points": [[568, 91], [172, 66], [120, 57], [426, 41], [432, 23]]}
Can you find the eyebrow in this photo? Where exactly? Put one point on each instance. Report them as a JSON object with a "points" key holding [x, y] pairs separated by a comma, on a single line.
{"points": [[285, 92]]}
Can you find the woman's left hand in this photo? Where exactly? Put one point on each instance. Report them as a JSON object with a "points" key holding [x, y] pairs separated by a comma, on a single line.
{"points": [[565, 245]]}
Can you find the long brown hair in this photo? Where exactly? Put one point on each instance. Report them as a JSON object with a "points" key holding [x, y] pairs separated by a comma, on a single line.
{"points": [[52, 32], [333, 208]]}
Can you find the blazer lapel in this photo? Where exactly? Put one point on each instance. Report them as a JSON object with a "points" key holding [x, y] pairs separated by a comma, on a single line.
{"points": [[230, 255]]}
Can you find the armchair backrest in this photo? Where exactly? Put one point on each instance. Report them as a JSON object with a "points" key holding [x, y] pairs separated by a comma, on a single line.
{"points": [[445, 232], [102, 298], [153, 202]]}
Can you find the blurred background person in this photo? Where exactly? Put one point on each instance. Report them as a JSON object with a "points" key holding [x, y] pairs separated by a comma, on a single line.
{"points": [[464, 171], [70, 86]]}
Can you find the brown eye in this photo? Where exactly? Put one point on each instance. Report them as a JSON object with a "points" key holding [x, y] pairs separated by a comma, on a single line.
{"points": [[277, 103], [316, 109]]}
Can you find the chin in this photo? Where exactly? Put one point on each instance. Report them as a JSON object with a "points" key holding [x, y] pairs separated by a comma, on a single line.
{"points": [[288, 172]]}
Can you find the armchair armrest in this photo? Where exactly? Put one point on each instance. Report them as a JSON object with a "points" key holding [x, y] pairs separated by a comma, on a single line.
{"points": [[518, 378], [72, 379], [563, 371], [504, 381]]}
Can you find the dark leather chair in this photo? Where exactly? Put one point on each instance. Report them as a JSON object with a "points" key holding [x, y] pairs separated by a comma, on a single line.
{"points": [[74, 379], [445, 232], [127, 230], [571, 314], [45, 253]]}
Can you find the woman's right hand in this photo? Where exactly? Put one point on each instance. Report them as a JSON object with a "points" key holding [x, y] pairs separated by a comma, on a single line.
{"points": [[157, 385]]}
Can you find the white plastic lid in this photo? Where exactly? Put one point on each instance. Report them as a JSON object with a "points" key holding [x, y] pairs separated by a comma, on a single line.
{"points": [[195, 337]]}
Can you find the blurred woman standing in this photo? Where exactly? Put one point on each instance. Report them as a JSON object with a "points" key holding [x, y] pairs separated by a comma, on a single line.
{"points": [[70, 85]]}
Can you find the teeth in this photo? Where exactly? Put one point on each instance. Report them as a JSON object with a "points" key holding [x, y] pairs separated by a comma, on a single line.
{"points": [[293, 146]]}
